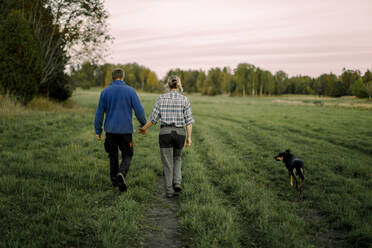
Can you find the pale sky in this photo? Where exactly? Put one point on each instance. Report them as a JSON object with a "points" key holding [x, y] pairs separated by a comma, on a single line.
{"points": [[300, 37]]}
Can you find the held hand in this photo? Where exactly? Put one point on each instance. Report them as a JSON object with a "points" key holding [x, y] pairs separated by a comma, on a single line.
{"points": [[142, 130], [99, 136], [188, 142]]}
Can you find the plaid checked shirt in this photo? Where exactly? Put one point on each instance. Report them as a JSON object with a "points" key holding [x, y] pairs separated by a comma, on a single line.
{"points": [[172, 108]]}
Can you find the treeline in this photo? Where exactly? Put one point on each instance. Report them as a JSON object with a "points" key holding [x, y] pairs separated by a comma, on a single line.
{"points": [[38, 39], [244, 80], [249, 80], [90, 74]]}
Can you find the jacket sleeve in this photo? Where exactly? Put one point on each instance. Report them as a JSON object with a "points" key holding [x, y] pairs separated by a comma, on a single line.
{"points": [[99, 115], [138, 109]]}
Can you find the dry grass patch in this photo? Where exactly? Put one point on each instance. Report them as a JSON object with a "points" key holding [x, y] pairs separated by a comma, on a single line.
{"points": [[10, 107], [43, 104], [350, 103]]}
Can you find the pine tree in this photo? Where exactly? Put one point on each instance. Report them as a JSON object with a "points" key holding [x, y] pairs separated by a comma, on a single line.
{"points": [[21, 62]]}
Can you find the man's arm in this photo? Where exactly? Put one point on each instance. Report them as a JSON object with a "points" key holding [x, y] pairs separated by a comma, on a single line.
{"points": [[188, 135], [99, 117], [143, 130], [138, 109], [154, 117]]}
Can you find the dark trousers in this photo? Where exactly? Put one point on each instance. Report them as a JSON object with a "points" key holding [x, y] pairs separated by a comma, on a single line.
{"points": [[113, 142]]}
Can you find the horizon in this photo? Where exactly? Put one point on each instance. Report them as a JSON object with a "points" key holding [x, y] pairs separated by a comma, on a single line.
{"points": [[300, 38]]}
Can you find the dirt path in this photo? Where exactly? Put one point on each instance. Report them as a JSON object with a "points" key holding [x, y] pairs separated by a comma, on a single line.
{"points": [[162, 221]]}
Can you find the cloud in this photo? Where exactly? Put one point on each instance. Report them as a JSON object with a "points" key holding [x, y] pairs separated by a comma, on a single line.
{"points": [[164, 34]]}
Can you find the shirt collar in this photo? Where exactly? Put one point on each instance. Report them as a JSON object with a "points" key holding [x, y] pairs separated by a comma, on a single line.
{"points": [[173, 92], [117, 82]]}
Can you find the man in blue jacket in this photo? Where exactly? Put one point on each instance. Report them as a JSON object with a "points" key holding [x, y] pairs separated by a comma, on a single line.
{"points": [[117, 101]]}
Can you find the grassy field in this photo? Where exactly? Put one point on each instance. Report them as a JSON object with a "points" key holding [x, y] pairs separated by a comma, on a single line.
{"points": [[55, 190]]}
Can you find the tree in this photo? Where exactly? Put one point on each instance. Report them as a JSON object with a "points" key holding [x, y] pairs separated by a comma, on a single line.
{"points": [[252, 79], [348, 77], [67, 30], [270, 84], [83, 27], [108, 75], [299, 85], [213, 82], [21, 62], [189, 80], [281, 81], [322, 84], [368, 89], [85, 75], [152, 82], [241, 78], [260, 80], [200, 81], [367, 76], [339, 89], [226, 80], [357, 88]]}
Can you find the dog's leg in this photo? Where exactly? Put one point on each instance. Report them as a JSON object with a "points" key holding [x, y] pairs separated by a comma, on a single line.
{"points": [[293, 174], [295, 178], [290, 178], [297, 186], [301, 177]]}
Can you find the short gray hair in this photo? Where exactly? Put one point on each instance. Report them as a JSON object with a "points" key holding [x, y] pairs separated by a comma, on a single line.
{"points": [[174, 82], [117, 73]]}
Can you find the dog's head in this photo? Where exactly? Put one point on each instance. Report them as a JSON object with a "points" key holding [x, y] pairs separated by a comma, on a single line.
{"points": [[283, 156]]}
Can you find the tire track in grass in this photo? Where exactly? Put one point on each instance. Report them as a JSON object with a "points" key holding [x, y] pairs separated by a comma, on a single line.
{"points": [[206, 217], [278, 133], [162, 221], [198, 214], [319, 216], [262, 223], [313, 219]]}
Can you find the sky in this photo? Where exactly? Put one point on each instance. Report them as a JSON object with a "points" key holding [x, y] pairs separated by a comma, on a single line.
{"points": [[297, 36]]}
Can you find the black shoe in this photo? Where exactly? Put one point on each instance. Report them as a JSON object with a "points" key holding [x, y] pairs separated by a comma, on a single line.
{"points": [[121, 182], [114, 181], [177, 188]]}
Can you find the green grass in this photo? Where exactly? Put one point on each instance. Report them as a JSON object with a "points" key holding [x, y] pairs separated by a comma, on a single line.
{"points": [[55, 188], [54, 184], [237, 139]]}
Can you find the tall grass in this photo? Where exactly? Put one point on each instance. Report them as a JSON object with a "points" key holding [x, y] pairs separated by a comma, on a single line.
{"points": [[238, 139], [55, 188], [54, 182]]}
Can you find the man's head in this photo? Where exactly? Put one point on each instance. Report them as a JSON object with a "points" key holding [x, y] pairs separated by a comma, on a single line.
{"points": [[174, 82], [117, 74]]}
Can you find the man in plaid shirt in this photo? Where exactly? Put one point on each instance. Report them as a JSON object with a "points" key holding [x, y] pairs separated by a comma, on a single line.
{"points": [[174, 112]]}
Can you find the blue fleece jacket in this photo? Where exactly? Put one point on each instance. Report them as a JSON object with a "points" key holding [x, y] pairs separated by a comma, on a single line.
{"points": [[117, 101]]}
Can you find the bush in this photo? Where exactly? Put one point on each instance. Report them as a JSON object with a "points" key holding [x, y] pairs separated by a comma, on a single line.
{"points": [[59, 88], [21, 62], [357, 89]]}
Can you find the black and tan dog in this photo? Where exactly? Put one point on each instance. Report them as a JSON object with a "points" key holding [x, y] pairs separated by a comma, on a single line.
{"points": [[295, 168]]}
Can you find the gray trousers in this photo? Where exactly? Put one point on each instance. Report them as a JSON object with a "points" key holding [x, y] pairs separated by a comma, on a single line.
{"points": [[171, 141]]}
